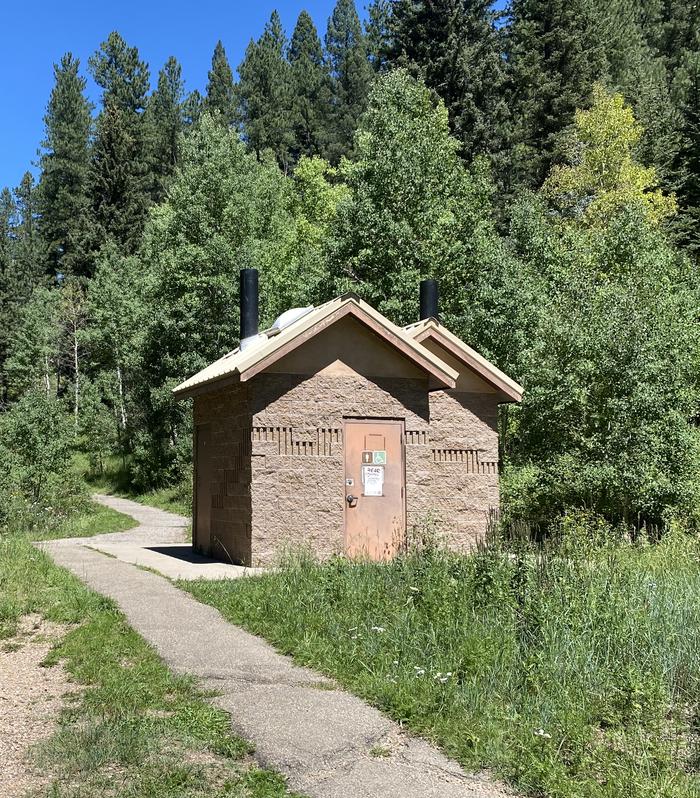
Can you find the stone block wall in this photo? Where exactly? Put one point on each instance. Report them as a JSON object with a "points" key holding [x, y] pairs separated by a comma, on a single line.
{"points": [[278, 461], [456, 470], [298, 467], [229, 488]]}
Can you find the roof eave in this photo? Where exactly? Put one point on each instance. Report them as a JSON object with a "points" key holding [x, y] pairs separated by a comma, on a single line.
{"points": [[207, 386], [507, 390]]}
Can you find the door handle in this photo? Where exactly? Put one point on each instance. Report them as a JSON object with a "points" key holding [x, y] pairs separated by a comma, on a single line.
{"points": [[351, 500]]}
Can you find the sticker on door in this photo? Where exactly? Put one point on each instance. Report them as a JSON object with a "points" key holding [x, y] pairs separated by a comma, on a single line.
{"points": [[373, 480]]}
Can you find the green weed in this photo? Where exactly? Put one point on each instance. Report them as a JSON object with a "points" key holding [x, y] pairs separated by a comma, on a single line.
{"points": [[573, 671], [115, 478]]}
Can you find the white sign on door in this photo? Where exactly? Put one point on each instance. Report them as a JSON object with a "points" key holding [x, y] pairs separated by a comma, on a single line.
{"points": [[373, 480]]}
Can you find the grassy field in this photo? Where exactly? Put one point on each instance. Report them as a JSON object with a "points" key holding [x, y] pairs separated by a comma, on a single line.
{"points": [[572, 672], [135, 730], [96, 520]]}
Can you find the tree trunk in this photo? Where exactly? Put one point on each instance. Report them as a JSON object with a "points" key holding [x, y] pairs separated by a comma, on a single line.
{"points": [[120, 388], [47, 377]]}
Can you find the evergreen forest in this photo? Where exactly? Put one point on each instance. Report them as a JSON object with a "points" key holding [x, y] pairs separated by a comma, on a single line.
{"points": [[542, 162]]}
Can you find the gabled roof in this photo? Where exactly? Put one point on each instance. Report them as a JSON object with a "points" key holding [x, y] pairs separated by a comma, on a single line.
{"points": [[271, 345], [431, 329]]}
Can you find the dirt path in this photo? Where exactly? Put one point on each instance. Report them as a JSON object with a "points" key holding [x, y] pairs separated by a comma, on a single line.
{"points": [[320, 737], [30, 699]]}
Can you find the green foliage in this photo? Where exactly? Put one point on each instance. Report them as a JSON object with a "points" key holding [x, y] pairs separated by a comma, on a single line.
{"points": [[603, 176], [414, 209], [456, 49], [119, 173], [32, 360], [37, 480], [165, 124], [20, 266], [111, 338], [225, 210], [554, 56], [220, 100], [65, 161], [311, 90], [121, 74], [687, 162], [569, 675], [611, 375], [351, 75], [265, 94]]}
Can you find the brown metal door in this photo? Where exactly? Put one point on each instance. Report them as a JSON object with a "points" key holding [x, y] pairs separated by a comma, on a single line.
{"points": [[202, 496], [375, 508]]}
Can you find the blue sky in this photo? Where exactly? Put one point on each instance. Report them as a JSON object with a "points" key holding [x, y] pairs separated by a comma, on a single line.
{"points": [[33, 36]]}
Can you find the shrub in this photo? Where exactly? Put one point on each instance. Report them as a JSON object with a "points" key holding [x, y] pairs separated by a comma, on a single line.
{"points": [[37, 483]]}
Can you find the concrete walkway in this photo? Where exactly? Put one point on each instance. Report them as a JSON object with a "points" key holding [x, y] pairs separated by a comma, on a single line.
{"points": [[300, 722], [159, 543]]}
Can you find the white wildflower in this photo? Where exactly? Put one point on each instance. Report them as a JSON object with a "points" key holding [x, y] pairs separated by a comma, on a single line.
{"points": [[543, 734], [378, 629]]}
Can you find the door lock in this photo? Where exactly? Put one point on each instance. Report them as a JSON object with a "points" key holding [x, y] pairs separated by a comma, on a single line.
{"points": [[351, 500]]}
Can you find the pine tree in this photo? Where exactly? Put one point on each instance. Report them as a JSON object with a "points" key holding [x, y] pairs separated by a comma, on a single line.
{"points": [[165, 120], [119, 182], [192, 109], [20, 264], [687, 163], [8, 212], [351, 72], [120, 179], [120, 73], [27, 246], [311, 89], [63, 189], [455, 47], [554, 57], [378, 34], [220, 99], [265, 94], [32, 361]]}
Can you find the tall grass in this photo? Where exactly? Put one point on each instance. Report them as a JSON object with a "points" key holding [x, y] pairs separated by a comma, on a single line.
{"points": [[573, 670], [115, 477]]}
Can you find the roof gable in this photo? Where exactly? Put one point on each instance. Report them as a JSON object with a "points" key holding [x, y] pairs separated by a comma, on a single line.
{"points": [[431, 329], [242, 365]]}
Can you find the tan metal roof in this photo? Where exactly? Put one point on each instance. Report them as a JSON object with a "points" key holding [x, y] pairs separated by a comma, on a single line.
{"points": [[432, 329], [241, 365]]}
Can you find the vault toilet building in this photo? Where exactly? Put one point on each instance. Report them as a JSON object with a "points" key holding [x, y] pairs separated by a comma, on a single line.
{"points": [[338, 430]]}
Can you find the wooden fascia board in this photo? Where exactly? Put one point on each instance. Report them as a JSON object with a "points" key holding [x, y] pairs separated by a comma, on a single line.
{"points": [[219, 383], [508, 392], [350, 309]]}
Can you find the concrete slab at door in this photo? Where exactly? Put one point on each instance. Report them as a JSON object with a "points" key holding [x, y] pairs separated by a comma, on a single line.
{"points": [[203, 477], [375, 504]]}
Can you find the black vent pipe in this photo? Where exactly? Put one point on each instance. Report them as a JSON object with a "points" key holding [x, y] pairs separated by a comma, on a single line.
{"points": [[249, 302], [428, 299]]}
